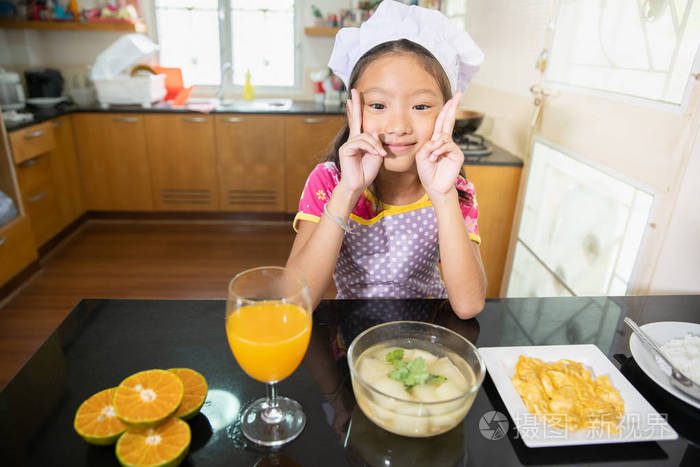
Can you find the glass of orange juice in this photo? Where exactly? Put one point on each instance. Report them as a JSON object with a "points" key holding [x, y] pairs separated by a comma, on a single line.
{"points": [[268, 325]]}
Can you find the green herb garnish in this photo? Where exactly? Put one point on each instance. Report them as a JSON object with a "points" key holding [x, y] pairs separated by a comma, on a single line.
{"points": [[394, 355], [412, 372]]}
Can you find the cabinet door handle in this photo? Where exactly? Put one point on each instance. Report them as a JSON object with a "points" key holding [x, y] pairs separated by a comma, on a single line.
{"points": [[29, 162], [314, 120], [125, 119], [34, 134], [194, 119], [234, 119], [36, 198], [3, 240], [55, 124]]}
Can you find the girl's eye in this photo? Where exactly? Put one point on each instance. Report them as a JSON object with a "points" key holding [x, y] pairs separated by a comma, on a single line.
{"points": [[377, 106], [421, 107]]}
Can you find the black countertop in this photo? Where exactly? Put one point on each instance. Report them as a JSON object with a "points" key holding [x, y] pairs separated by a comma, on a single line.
{"points": [[297, 108], [499, 156], [103, 341]]}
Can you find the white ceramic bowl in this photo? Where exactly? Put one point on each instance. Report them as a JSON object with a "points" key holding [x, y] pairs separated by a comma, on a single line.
{"points": [[83, 97], [45, 102]]}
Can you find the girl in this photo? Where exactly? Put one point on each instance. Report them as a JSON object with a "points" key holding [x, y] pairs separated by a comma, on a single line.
{"points": [[390, 203]]}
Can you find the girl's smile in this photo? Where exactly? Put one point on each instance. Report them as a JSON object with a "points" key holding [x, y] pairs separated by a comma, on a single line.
{"points": [[397, 148]]}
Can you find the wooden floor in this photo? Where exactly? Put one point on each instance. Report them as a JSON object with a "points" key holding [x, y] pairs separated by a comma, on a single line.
{"points": [[132, 260]]}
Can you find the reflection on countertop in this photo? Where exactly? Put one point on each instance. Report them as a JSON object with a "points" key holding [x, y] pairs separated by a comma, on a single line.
{"points": [[38, 405]]}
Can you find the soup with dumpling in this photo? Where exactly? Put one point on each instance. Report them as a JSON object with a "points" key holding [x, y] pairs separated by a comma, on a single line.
{"points": [[417, 392]]}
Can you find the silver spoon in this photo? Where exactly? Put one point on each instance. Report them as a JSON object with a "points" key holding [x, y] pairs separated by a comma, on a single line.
{"points": [[678, 379]]}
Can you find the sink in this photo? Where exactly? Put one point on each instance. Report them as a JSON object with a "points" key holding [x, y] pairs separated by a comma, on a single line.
{"points": [[256, 104]]}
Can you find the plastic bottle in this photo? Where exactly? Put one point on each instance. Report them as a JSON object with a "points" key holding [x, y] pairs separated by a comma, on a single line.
{"points": [[73, 8], [248, 88]]}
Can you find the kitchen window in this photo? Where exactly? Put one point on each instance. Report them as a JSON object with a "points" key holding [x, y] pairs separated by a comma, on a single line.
{"points": [[177, 23], [249, 36], [636, 48], [580, 230], [456, 10]]}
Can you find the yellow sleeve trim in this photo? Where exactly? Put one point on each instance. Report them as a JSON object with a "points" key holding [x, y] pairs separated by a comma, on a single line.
{"points": [[302, 216]]}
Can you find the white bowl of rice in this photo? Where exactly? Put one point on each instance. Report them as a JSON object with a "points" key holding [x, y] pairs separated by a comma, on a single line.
{"points": [[684, 353], [680, 342]]}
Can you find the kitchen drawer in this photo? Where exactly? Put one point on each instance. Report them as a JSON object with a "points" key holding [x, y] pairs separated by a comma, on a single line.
{"points": [[44, 213], [32, 141], [33, 174], [16, 248]]}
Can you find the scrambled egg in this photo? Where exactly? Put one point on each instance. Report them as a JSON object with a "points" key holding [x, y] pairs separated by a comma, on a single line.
{"points": [[564, 393]]}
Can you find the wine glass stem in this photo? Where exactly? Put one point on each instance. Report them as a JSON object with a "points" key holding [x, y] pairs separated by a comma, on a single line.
{"points": [[272, 414]]}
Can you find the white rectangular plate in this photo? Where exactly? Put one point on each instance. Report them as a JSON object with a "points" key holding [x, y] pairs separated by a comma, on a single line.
{"points": [[640, 421]]}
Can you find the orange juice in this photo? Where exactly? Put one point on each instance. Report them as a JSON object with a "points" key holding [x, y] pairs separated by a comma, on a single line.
{"points": [[269, 339]]}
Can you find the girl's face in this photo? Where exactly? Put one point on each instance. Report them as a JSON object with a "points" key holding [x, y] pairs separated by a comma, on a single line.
{"points": [[400, 103]]}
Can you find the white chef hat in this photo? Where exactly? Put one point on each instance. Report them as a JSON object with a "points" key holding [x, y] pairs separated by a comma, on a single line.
{"points": [[458, 54]]}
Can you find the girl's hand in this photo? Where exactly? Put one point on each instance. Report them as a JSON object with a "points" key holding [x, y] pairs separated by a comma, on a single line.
{"points": [[361, 155], [440, 159]]}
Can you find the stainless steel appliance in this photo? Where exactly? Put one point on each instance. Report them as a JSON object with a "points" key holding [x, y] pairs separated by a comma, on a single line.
{"points": [[11, 91], [472, 145], [466, 122]]}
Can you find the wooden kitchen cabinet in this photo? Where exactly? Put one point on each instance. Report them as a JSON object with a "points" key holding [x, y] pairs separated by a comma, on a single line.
{"points": [[182, 158], [66, 173], [113, 161], [496, 193], [31, 151], [17, 248], [250, 160], [32, 141], [39, 197], [307, 139]]}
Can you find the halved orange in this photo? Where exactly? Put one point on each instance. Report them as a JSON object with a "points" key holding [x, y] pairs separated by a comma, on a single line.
{"points": [[163, 446], [148, 397], [195, 392], [95, 420]]}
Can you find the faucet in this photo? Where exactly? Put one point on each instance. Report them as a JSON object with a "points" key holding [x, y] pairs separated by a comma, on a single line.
{"points": [[224, 68]]}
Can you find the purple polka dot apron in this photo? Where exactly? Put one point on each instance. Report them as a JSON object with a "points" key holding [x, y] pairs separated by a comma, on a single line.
{"points": [[393, 255]]}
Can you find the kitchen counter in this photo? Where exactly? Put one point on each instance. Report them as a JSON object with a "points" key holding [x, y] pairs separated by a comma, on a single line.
{"points": [[297, 108], [499, 156], [89, 352], [102, 341]]}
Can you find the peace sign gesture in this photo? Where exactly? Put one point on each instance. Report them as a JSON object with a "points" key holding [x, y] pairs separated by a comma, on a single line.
{"points": [[361, 155], [440, 159]]}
